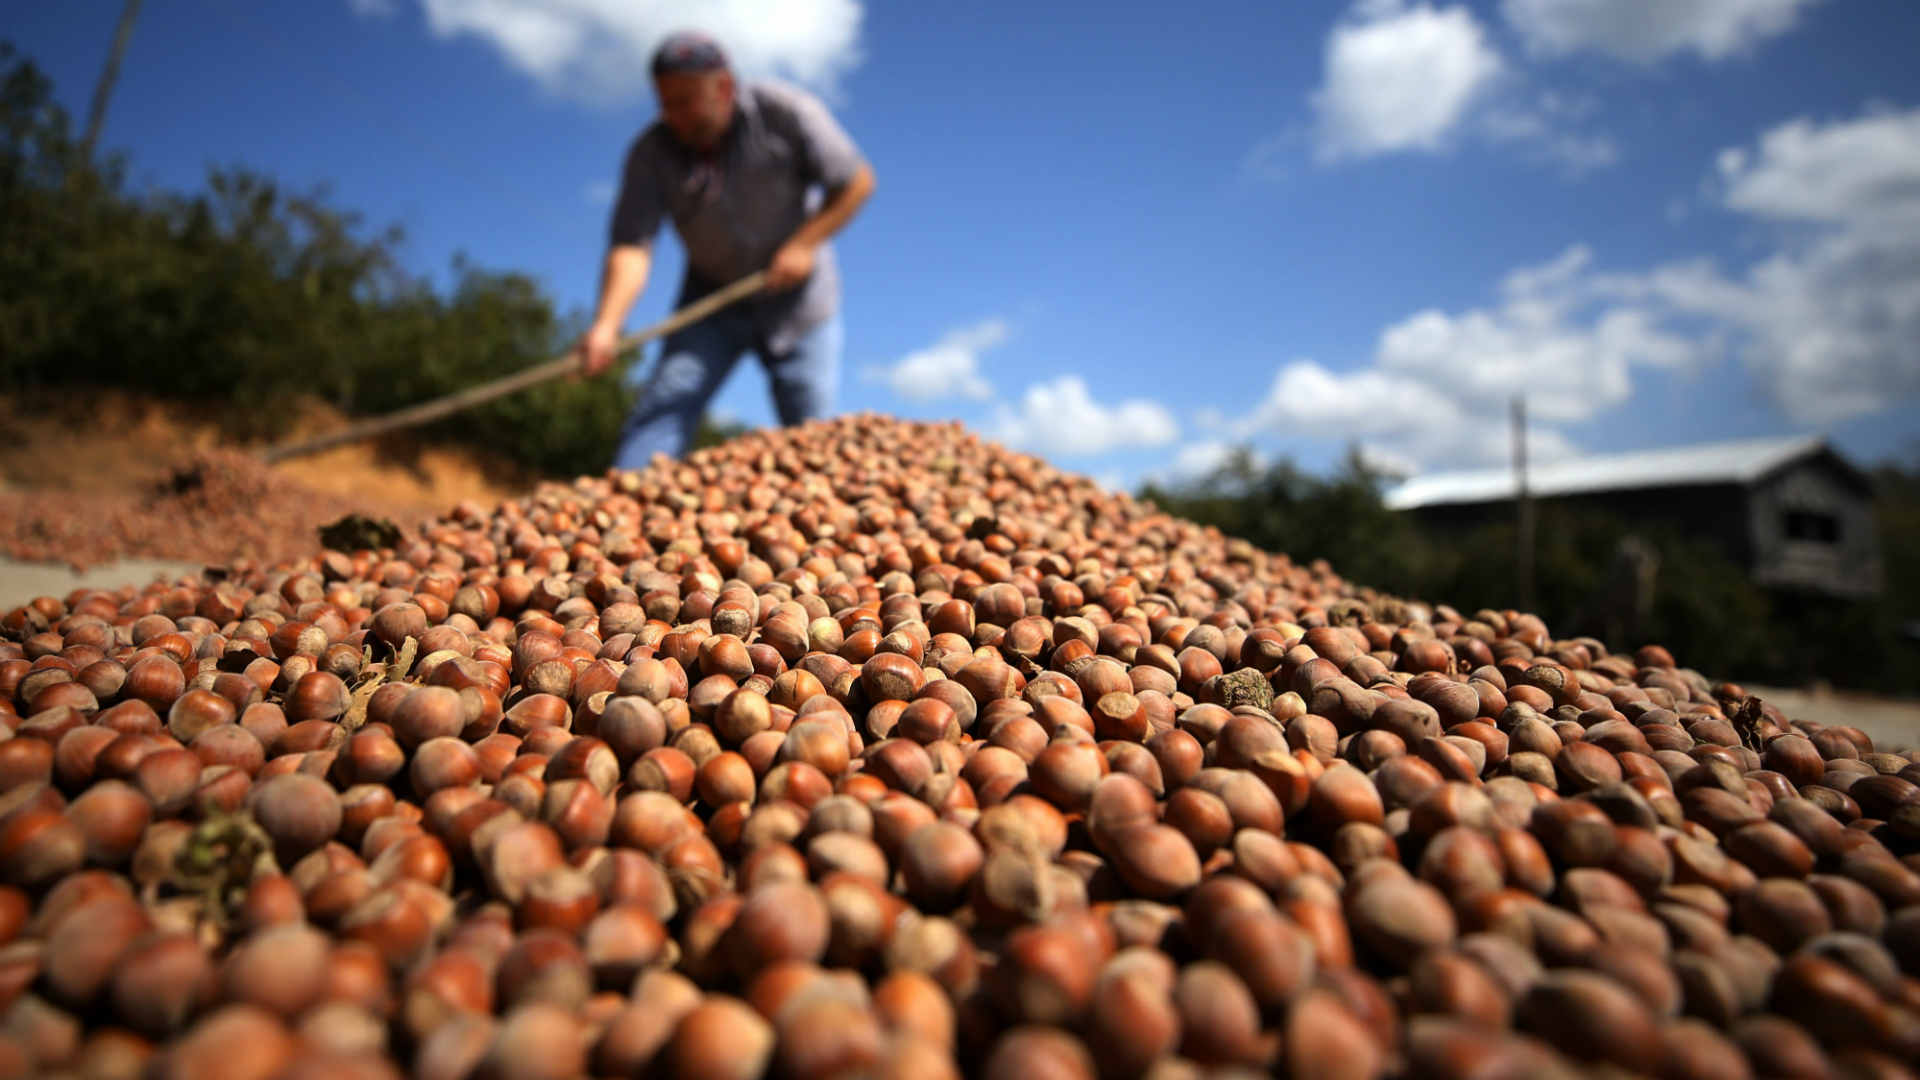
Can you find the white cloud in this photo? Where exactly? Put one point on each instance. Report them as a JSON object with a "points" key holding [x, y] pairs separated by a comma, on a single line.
{"points": [[1441, 383], [1548, 335], [1829, 323], [1643, 31], [1406, 78], [1858, 173], [1401, 78], [1399, 419], [1308, 399], [599, 49], [949, 368], [1061, 417], [1836, 332], [373, 9], [598, 192]]}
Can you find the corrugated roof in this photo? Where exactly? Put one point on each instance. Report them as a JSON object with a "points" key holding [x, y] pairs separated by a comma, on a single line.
{"points": [[1714, 463]]}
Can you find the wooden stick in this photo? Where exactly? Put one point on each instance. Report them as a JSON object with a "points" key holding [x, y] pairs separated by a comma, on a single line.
{"points": [[459, 401]]}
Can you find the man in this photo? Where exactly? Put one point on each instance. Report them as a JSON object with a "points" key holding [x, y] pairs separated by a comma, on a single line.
{"points": [[755, 176]]}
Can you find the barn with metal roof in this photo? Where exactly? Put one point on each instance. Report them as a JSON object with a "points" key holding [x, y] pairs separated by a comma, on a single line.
{"points": [[1794, 512]]}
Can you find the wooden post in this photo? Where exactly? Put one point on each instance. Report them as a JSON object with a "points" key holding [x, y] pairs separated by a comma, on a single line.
{"points": [[1523, 508]]}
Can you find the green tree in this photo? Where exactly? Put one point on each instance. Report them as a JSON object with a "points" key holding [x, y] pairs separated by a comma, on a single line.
{"points": [[1340, 518]]}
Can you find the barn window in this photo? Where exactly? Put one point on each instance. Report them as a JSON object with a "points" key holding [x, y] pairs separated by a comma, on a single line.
{"points": [[1812, 526]]}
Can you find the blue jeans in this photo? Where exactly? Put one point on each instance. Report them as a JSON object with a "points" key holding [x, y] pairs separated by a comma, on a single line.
{"points": [[696, 360]]}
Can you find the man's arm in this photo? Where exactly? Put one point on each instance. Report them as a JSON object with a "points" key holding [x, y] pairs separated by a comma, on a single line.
{"points": [[636, 218], [829, 158], [621, 282], [794, 261]]}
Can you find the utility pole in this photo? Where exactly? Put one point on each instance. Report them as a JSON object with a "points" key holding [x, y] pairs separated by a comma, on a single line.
{"points": [[1523, 506], [97, 114]]}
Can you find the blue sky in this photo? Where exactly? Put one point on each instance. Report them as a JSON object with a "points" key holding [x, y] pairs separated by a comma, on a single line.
{"points": [[1125, 240]]}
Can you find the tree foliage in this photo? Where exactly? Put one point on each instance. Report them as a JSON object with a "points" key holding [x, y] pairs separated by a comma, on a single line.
{"points": [[1280, 507]]}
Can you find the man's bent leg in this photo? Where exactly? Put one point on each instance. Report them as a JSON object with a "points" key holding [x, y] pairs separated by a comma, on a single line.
{"points": [[806, 377], [693, 364]]}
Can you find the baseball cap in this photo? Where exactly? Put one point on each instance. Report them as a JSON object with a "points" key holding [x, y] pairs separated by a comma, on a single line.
{"points": [[688, 51]]}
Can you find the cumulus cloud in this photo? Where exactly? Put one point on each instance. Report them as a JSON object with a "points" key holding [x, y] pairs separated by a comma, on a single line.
{"points": [[1440, 384], [1399, 420], [1061, 417], [1830, 322], [1415, 78], [1308, 399], [1401, 78], [1573, 356], [599, 49], [1860, 173], [1643, 31], [947, 369], [1420, 77]]}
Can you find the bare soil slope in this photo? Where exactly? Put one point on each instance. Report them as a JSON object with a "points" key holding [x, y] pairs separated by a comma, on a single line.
{"points": [[90, 478]]}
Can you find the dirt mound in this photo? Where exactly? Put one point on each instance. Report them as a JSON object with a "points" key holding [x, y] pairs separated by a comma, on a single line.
{"points": [[91, 477]]}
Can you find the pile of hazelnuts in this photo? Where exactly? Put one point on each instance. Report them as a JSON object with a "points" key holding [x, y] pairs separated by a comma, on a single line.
{"points": [[869, 748]]}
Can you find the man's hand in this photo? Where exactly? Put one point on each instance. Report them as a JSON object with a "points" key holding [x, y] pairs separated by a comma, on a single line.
{"points": [[597, 349], [791, 265]]}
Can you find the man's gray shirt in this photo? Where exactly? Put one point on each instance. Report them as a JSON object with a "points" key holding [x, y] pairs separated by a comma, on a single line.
{"points": [[735, 206]]}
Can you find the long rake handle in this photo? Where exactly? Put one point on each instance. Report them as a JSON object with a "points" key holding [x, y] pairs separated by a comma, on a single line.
{"points": [[428, 411]]}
